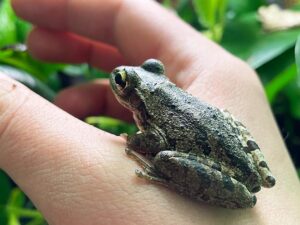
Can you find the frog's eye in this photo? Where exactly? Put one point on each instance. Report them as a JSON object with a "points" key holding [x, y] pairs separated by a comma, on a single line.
{"points": [[120, 78], [154, 66]]}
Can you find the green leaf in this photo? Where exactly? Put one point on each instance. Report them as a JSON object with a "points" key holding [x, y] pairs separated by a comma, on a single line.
{"points": [[33, 83], [3, 215], [211, 14], [245, 38], [112, 125], [36, 222], [238, 8], [84, 72], [11, 55], [7, 24], [22, 30], [187, 13], [13, 220], [15, 210], [167, 3], [293, 93], [17, 198], [297, 58], [270, 46], [276, 66], [280, 81], [293, 90], [76, 70], [20, 212], [5, 185], [205, 12]]}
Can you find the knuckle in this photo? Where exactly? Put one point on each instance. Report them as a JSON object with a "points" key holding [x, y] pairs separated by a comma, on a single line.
{"points": [[247, 77], [240, 76], [229, 83]]}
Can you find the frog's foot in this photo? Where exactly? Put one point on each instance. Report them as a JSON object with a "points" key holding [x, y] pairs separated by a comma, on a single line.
{"points": [[190, 175], [145, 163], [149, 170], [147, 166], [152, 177], [252, 149], [259, 160]]}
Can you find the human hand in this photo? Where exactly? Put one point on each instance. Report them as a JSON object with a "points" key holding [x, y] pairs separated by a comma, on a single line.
{"points": [[76, 174]]}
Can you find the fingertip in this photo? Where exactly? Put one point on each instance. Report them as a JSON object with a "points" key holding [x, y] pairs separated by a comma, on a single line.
{"points": [[55, 46], [35, 11]]}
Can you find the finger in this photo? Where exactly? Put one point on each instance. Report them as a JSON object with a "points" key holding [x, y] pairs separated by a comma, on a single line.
{"points": [[139, 29], [96, 18], [64, 47], [92, 99]]}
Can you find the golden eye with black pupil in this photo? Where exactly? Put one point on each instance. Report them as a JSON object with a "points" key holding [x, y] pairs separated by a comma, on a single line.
{"points": [[120, 78]]}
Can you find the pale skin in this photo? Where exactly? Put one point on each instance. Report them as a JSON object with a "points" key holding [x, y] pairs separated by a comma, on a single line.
{"points": [[77, 174]]}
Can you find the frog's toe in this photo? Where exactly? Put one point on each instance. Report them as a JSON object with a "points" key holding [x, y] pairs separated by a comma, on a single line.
{"points": [[254, 200], [139, 173], [256, 189], [124, 136], [270, 181], [151, 176]]}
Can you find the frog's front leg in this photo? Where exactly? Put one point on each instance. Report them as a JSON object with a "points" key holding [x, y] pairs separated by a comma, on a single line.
{"points": [[149, 142], [191, 176]]}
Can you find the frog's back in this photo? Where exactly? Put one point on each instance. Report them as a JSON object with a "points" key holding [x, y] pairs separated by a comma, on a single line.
{"points": [[196, 127]]}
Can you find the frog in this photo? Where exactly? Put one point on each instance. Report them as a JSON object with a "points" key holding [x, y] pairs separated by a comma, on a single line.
{"points": [[186, 144]]}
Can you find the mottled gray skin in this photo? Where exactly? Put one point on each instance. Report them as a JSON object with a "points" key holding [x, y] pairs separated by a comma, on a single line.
{"points": [[193, 147]]}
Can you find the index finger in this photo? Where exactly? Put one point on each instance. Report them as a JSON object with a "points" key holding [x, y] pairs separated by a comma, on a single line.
{"points": [[139, 29], [117, 22]]}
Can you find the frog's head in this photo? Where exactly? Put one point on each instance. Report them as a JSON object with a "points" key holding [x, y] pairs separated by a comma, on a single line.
{"points": [[132, 85]]}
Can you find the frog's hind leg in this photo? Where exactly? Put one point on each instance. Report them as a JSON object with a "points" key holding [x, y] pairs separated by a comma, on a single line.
{"points": [[252, 149], [190, 175]]}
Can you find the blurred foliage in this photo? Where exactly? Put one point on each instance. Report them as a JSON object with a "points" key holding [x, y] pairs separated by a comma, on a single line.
{"points": [[112, 125], [233, 24], [15, 208], [211, 15]]}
